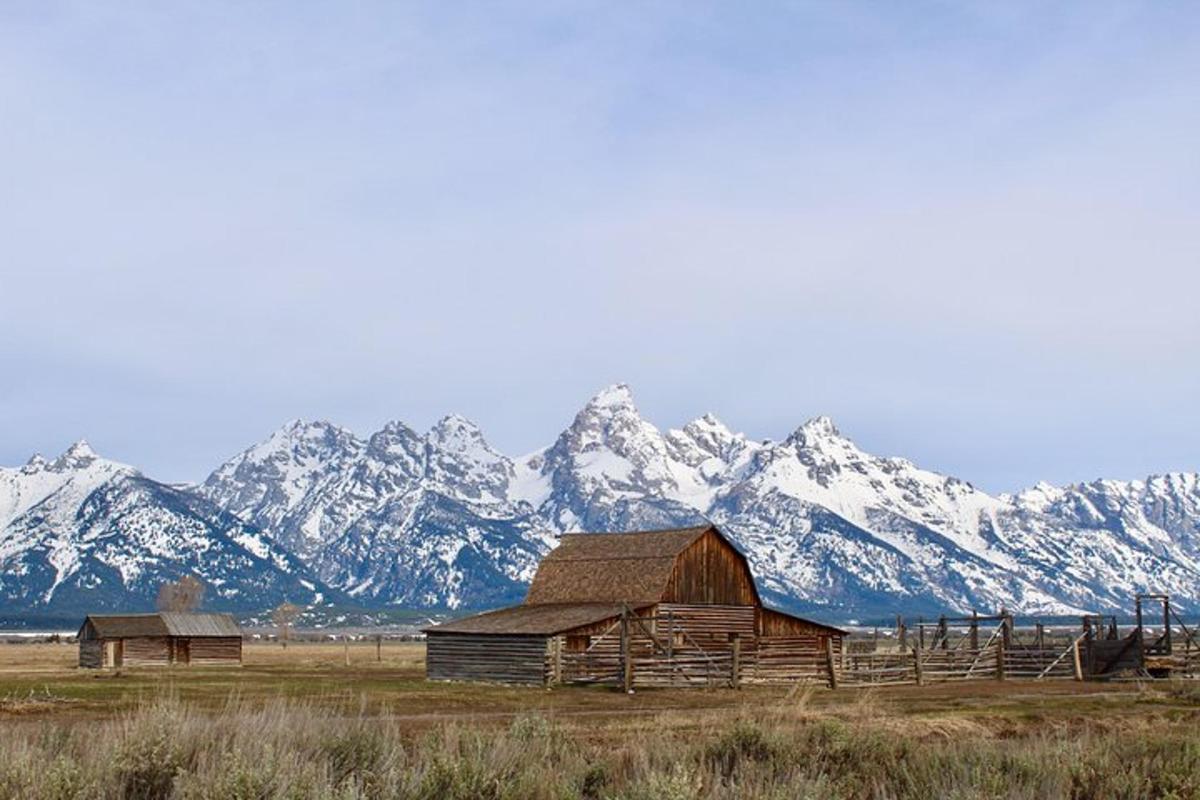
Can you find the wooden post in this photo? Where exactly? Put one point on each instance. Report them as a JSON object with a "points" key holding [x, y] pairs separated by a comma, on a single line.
{"points": [[1006, 629], [1075, 658], [557, 677], [671, 645], [829, 663], [1167, 623], [736, 663], [974, 629], [917, 665], [1041, 636], [1000, 673], [626, 660], [901, 633], [346, 647], [379, 647]]}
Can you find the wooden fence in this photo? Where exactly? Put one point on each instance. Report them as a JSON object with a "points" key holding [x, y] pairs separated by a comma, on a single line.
{"points": [[658, 652]]}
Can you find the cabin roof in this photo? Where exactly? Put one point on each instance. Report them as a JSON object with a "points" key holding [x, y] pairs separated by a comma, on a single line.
{"points": [[545, 619], [164, 623], [611, 567]]}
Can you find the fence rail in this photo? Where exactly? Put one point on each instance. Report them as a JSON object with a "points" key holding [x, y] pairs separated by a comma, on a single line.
{"points": [[659, 651]]}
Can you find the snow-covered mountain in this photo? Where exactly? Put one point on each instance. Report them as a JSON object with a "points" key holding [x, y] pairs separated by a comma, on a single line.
{"points": [[399, 518], [85, 533], [442, 519]]}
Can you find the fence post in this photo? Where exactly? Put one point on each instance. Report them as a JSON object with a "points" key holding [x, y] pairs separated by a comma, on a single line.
{"points": [[1075, 659], [626, 659], [829, 663], [1000, 673], [379, 647], [670, 647], [558, 668], [736, 663], [346, 647], [917, 665]]}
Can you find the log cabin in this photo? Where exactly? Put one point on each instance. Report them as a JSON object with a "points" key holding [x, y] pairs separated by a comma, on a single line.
{"points": [[159, 640], [669, 607]]}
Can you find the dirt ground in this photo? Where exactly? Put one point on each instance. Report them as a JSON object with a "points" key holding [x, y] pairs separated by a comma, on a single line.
{"points": [[41, 681]]}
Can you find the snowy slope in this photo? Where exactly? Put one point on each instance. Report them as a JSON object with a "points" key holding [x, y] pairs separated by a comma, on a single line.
{"points": [[83, 532], [399, 518]]}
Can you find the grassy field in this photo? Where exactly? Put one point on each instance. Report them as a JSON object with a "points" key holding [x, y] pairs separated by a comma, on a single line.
{"points": [[300, 723]]}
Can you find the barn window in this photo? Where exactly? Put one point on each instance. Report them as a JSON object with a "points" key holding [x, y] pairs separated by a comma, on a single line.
{"points": [[577, 643]]}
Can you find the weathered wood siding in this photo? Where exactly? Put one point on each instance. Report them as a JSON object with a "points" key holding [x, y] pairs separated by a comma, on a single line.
{"points": [[773, 623], [91, 654], [482, 657], [706, 625], [710, 571], [214, 651], [1108, 657], [146, 651]]}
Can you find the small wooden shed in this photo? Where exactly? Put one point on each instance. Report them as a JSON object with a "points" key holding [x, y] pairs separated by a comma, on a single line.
{"points": [[655, 607], [159, 640]]}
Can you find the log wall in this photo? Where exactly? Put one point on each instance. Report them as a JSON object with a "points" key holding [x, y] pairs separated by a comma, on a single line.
{"points": [[91, 654], [215, 651], [146, 651], [482, 657], [706, 625]]}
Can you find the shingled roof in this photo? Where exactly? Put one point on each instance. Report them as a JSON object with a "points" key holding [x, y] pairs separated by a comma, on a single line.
{"points": [[547, 619], [166, 623], [611, 567]]}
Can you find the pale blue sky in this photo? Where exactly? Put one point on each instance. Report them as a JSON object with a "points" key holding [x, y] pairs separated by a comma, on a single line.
{"points": [[969, 232]]}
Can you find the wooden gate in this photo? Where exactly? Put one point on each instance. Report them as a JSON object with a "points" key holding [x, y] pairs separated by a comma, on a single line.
{"points": [[647, 651]]}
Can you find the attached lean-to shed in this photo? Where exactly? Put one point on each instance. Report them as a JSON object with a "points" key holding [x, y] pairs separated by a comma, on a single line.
{"points": [[162, 639], [656, 607]]}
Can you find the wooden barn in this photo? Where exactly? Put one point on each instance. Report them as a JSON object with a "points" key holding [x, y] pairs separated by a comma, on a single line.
{"points": [[671, 607], [159, 640]]}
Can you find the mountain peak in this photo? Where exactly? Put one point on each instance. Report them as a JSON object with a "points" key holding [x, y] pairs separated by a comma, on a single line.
{"points": [[456, 432], [617, 396], [81, 449], [300, 427], [36, 460], [77, 455], [820, 426]]}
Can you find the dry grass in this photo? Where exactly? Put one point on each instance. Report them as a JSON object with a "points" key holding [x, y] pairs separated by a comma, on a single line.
{"points": [[300, 724], [293, 749]]}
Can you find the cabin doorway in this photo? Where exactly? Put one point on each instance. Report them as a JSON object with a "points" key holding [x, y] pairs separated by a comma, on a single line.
{"points": [[114, 653]]}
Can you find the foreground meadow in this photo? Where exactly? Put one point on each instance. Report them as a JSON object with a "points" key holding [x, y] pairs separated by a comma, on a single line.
{"points": [[301, 724]]}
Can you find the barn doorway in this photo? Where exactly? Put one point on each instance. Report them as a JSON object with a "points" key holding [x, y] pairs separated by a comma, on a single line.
{"points": [[114, 653]]}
